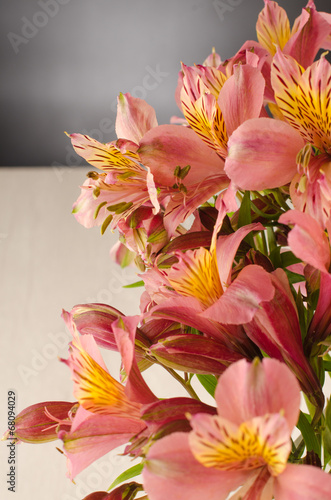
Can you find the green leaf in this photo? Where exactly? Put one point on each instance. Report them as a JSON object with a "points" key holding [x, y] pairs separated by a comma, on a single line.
{"points": [[294, 277], [128, 474], [134, 285], [245, 216], [308, 434], [327, 365], [209, 382], [288, 259]]}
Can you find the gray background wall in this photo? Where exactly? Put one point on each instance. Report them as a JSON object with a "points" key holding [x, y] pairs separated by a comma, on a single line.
{"points": [[63, 62]]}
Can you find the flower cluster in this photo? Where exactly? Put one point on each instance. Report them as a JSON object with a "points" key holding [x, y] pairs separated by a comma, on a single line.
{"points": [[226, 212]]}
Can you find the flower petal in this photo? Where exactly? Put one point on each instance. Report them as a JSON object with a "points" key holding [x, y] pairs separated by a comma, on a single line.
{"points": [[241, 300], [171, 471], [302, 482], [304, 97], [241, 96], [262, 154], [307, 239], [166, 146], [246, 390], [272, 27], [134, 118]]}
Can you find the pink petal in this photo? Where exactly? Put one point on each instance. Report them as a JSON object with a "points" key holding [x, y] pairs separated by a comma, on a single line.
{"points": [[307, 239], [310, 33], [171, 472], [302, 482], [242, 299], [166, 146], [136, 388], [262, 154], [246, 390], [95, 437], [134, 118], [226, 249], [241, 96]]}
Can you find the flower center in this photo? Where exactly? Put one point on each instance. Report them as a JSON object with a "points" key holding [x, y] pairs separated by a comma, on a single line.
{"points": [[262, 441], [196, 275]]}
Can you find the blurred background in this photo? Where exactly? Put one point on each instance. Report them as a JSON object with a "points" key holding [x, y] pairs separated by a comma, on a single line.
{"points": [[63, 63]]}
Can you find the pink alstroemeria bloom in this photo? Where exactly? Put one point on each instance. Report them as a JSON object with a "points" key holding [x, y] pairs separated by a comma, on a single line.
{"points": [[144, 167], [246, 445], [266, 153], [214, 104], [107, 416], [310, 32], [199, 291]]}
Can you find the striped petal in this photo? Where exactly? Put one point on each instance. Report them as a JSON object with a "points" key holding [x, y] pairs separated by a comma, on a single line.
{"points": [[196, 275], [106, 157], [273, 27], [200, 107], [304, 97], [94, 388]]}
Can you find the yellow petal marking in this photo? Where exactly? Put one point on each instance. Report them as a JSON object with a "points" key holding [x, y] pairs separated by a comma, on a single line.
{"points": [[106, 157], [203, 114], [197, 276], [96, 390], [304, 99], [252, 445], [273, 27]]}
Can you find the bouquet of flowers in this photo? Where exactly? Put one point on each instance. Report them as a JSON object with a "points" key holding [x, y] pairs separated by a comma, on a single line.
{"points": [[226, 212]]}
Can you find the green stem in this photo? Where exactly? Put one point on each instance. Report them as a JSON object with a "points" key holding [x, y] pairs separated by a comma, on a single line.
{"points": [[187, 386]]}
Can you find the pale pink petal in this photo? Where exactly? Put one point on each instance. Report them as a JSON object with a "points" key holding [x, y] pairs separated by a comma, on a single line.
{"points": [[85, 209], [302, 482], [94, 437], [171, 472], [134, 118], [307, 239], [136, 388], [167, 146], [310, 33], [262, 154], [242, 299], [241, 96], [226, 249], [246, 390]]}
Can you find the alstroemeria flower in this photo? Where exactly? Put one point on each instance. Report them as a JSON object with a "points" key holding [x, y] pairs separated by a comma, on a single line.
{"points": [[214, 105], [265, 153], [107, 417], [147, 166], [310, 32], [246, 445], [199, 291]]}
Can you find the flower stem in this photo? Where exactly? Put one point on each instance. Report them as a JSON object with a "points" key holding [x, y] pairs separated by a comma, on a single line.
{"points": [[187, 386]]}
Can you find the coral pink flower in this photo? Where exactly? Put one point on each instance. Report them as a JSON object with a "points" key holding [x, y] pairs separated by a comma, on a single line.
{"points": [[246, 445], [265, 153], [145, 167], [310, 32], [107, 416]]}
